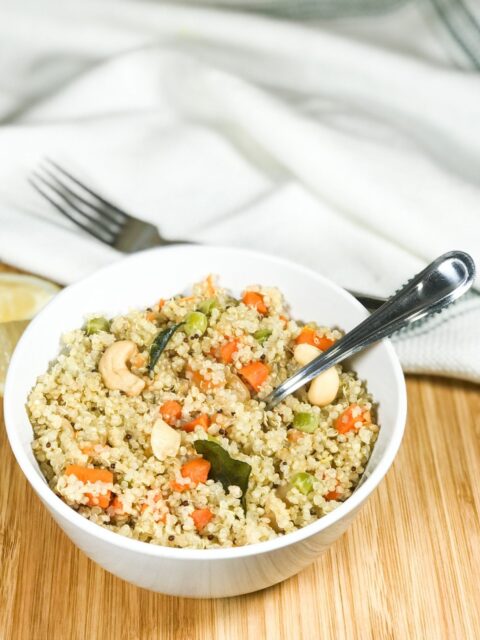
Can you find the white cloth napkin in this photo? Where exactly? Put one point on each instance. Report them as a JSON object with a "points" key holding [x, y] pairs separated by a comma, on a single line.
{"points": [[351, 157]]}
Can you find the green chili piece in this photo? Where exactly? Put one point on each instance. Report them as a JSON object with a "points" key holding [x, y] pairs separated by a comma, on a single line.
{"points": [[303, 482], [196, 324], [262, 334], [207, 306], [305, 421], [94, 325]]}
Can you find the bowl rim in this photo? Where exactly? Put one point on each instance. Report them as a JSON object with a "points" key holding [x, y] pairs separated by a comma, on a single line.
{"points": [[77, 521]]}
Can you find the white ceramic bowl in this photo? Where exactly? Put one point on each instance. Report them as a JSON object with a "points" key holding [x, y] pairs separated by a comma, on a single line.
{"points": [[138, 281]]}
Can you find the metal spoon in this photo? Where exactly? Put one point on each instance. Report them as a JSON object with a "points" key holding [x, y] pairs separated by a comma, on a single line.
{"points": [[438, 285]]}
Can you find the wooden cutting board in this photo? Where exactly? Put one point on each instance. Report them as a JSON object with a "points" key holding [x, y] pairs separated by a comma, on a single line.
{"points": [[408, 568]]}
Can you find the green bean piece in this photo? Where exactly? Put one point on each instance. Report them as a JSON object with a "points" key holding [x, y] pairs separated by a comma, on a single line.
{"points": [[303, 482], [306, 421], [262, 334], [94, 325], [196, 324], [207, 306]]}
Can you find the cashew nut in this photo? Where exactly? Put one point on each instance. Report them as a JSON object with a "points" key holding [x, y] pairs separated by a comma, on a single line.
{"points": [[305, 353], [282, 491], [235, 384], [66, 436], [164, 440], [114, 370], [66, 427], [277, 512], [324, 387]]}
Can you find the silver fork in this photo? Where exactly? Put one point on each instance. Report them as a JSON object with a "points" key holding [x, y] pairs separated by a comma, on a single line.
{"points": [[94, 214], [107, 222]]}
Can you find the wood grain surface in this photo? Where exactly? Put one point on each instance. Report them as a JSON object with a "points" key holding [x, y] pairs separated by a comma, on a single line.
{"points": [[408, 568]]}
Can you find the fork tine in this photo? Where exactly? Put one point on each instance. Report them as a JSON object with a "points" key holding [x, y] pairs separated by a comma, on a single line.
{"points": [[89, 229], [92, 212], [104, 208], [123, 215], [87, 217]]}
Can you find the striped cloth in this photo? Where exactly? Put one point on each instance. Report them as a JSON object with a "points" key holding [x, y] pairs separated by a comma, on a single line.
{"points": [[457, 21]]}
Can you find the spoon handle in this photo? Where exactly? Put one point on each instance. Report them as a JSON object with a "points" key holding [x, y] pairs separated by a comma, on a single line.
{"points": [[438, 285]]}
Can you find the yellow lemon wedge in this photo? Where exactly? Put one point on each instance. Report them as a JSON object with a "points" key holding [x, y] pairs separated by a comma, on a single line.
{"points": [[21, 297]]}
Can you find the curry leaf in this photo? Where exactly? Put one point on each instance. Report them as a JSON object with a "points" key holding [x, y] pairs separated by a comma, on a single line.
{"points": [[225, 469], [159, 344]]}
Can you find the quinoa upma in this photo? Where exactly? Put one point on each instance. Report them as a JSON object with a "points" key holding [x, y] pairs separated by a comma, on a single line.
{"points": [[152, 424]]}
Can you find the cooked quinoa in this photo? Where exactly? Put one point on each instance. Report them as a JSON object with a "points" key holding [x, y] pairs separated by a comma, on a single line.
{"points": [[117, 439]]}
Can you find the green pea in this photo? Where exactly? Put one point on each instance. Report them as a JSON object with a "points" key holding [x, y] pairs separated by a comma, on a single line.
{"points": [[207, 306], [195, 324], [262, 334], [94, 325], [303, 482], [305, 421]]}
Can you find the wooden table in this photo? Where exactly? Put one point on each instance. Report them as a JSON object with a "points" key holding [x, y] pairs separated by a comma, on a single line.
{"points": [[408, 568]]}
